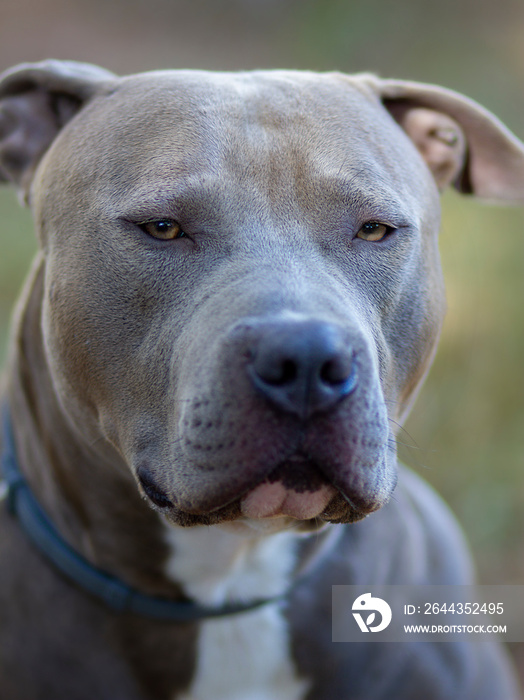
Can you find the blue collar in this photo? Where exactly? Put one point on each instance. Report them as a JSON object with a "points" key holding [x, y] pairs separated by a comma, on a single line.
{"points": [[115, 594]]}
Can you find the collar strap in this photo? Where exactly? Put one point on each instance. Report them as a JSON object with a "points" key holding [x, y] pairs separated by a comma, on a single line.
{"points": [[115, 594]]}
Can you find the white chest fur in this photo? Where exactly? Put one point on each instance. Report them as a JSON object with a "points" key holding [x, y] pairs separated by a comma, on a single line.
{"points": [[245, 656]]}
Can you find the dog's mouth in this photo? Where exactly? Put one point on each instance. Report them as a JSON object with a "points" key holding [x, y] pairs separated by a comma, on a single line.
{"points": [[295, 494], [274, 500], [295, 489]]}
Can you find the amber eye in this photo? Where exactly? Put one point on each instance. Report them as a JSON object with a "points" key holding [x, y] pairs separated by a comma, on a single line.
{"points": [[373, 231], [164, 229]]}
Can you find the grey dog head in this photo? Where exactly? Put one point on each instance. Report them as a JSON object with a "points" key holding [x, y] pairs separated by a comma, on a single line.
{"points": [[242, 282]]}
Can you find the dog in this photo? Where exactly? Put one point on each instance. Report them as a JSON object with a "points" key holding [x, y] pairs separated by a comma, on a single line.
{"points": [[236, 297]]}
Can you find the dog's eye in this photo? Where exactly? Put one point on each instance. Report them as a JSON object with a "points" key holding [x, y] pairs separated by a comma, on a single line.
{"points": [[373, 231], [164, 229]]}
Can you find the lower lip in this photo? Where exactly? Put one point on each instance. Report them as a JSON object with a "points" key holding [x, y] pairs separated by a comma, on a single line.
{"points": [[274, 500]]}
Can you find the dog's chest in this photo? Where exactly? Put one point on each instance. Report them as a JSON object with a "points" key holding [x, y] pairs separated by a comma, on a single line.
{"points": [[245, 656]]}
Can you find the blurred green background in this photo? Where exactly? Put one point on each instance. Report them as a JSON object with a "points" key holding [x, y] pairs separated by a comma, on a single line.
{"points": [[466, 432]]}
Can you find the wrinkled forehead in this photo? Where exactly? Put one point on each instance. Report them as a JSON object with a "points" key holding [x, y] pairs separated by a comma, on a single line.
{"points": [[225, 112], [275, 124], [278, 102]]}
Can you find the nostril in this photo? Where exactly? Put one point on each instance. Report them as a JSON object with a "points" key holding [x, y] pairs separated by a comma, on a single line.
{"points": [[330, 372], [275, 370], [339, 371], [287, 375]]}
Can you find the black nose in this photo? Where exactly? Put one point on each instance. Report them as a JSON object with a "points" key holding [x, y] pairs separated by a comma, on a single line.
{"points": [[302, 366]]}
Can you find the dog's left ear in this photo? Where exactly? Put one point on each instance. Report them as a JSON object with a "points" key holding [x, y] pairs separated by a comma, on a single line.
{"points": [[463, 144], [36, 101]]}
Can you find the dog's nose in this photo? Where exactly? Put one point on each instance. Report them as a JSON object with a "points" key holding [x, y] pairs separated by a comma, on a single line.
{"points": [[302, 367]]}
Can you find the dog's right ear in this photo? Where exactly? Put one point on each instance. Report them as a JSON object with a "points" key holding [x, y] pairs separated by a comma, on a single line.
{"points": [[36, 101]]}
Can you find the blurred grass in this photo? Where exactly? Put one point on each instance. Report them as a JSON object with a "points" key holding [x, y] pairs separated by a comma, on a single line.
{"points": [[17, 245], [466, 432], [468, 423]]}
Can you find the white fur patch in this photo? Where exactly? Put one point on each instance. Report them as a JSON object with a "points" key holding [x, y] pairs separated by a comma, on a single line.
{"points": [[245, 656]]}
